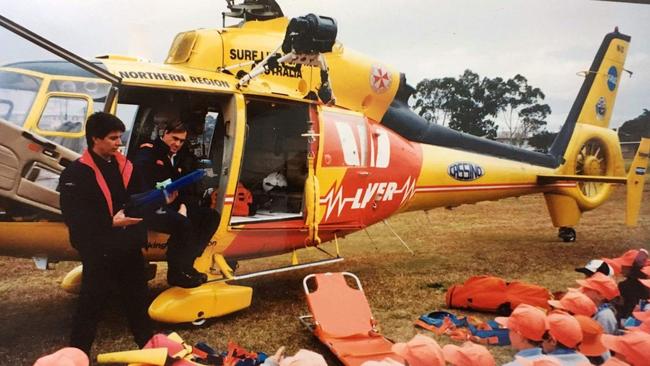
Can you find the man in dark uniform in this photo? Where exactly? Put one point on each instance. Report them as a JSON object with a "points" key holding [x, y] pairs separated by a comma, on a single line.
{"points": [[94, 189], [190, 226]]}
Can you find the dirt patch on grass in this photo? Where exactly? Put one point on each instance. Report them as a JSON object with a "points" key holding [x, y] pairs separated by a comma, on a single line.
{"points": [[512, 238]]}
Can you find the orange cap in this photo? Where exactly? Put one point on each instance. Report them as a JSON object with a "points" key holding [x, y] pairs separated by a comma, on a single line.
{"points": [[591, 332], [68, 356], [304, 358], [627, 259], [634, 346], [420, 351], [575, 302], [527, 320], [642, 316], [469, 354], [384, 362], [644, 327], [565, 329], [604, 285], [539, 361]]}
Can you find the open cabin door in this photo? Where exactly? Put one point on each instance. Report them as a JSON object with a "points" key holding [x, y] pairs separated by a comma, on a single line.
{"points": [[43, 106], [268, 208]]}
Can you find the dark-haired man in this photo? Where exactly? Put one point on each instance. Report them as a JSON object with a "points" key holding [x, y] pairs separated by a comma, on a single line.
{"points": [[94, 189], [190, 226]]}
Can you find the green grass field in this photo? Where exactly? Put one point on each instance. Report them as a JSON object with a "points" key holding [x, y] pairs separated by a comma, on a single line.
{"points": [[511, 238]]}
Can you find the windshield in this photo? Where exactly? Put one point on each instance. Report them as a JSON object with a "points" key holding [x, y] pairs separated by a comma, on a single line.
{"points": [[17, 94]]}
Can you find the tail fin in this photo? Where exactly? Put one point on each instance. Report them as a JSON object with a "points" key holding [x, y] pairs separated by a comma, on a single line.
{"points": [[586, 146], [595, 101], [635, 182]]}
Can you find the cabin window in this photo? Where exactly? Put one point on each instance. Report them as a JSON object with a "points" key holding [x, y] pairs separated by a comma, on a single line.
{"points": [[97, 91], [349, 144], [383, 149], [66, 115], [346, 139], [17, 94]]}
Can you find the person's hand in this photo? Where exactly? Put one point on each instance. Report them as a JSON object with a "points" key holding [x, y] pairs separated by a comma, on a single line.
{"points": [[182, 210], [170, 197], [121, 220], [279, 355]]}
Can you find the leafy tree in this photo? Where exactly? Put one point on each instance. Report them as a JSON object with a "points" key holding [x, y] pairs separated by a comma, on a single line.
{"points": [[433, 98], [521, 111], [542, 141], [471, 104], [634, 129]]}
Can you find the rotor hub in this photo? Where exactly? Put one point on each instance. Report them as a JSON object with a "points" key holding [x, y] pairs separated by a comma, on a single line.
{"points": [[592, 166]]}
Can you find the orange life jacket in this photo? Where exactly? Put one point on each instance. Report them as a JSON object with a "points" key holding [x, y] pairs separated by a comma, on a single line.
{"points": [[494, 294]]}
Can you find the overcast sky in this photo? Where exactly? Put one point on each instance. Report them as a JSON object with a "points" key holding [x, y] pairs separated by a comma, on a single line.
{"points": [[547, 41]]}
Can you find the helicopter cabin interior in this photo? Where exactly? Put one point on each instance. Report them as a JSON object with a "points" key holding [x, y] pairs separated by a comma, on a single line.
{"points": [[274, 146], [274, 166]]}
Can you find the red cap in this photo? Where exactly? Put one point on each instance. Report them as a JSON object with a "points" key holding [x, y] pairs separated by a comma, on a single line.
{"points": [[469, 354], [634, 346], [68, 356], [526, 320], [420, 351], [604, 285], [576, 303], [539, 361], [591, 344]]}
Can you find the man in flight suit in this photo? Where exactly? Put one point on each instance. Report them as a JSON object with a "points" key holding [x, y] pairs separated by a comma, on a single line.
{"points": [[190, 226], [94, 190]]}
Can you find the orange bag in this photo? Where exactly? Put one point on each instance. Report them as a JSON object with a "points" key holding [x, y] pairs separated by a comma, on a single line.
{"points": [[494, 294], [243, 198]]}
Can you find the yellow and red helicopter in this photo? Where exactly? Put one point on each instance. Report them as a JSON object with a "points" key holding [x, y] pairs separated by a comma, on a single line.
{"points": [[272, 94]]}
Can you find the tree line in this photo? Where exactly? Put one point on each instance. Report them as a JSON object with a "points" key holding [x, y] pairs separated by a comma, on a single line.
{"points": [[478, 105]]}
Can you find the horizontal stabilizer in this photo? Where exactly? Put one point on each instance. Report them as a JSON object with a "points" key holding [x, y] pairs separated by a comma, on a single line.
{"points": [[551, 178]]}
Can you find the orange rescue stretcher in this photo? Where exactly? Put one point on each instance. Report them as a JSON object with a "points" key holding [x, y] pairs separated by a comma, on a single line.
{"points": [[342, 320]]}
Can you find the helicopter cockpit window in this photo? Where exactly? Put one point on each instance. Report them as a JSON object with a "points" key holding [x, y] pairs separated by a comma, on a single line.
{"points": [[65, 115], [17, 94], [97, 91], [274, 167]]}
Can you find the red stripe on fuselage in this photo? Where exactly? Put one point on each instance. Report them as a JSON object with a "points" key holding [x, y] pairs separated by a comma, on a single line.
{"points": [[488, 187]]}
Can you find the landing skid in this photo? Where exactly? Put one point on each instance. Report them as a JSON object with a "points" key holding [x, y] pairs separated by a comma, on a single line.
{"points": [[214, 298], [280, 269]]}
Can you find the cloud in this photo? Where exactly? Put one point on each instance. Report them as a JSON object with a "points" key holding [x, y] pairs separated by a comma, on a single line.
{"points": [[547, 41]]}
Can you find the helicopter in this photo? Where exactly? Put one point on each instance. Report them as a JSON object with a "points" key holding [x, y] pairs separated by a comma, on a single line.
{"points": [[272, 94]]}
